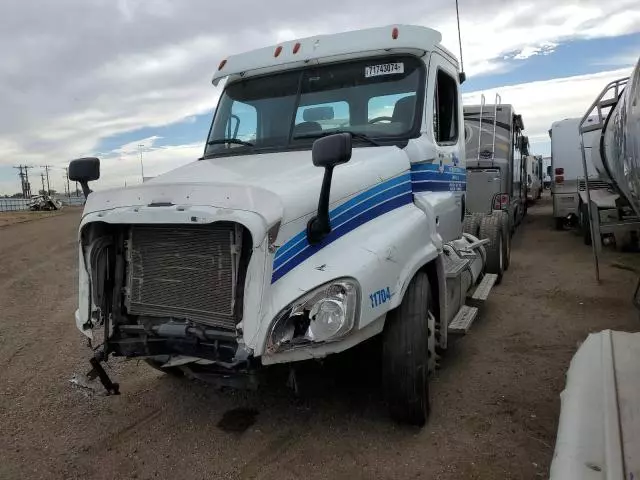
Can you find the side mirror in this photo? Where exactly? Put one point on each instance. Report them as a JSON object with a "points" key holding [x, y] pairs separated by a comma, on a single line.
{"points": [[83, 171], [331, 150], [327, 152]]}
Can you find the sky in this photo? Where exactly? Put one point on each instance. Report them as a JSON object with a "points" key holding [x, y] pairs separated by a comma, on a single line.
{"points": [[101, 77]]}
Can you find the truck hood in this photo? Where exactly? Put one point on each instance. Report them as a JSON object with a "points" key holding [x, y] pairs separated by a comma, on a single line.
{"points": [[279, 187]]}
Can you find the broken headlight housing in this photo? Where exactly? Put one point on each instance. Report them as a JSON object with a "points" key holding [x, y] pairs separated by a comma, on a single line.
{"points": [[325, 314]]}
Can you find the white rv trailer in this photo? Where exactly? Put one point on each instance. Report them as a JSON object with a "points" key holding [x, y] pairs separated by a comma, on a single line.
{"points": [[566, 170], [534, 177], [293, 238]]}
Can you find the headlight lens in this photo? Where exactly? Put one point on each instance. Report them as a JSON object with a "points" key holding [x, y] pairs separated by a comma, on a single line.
{"points": [[322, 315]]}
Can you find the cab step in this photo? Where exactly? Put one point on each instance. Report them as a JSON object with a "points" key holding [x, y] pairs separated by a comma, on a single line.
{"points": [[482, 291], [463, 320]]}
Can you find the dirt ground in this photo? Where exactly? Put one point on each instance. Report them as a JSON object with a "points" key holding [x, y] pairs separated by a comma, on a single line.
{"points": [[11, 218], [495, 399]]}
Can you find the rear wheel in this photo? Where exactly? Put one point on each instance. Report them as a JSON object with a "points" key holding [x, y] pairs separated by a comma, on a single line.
{"points": [[491, 228], [585, 224], [506, 239], [408, 354], [471, 224]]}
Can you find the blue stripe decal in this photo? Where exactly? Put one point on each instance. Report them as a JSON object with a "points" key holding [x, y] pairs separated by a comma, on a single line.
{"points": [[439, 186], [369, 204], [343, 229], [433, 177], [417, 176], [353, 206], [435, 167]]}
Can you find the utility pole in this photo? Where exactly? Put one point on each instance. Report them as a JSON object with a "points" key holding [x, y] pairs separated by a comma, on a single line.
{"points": [[24, 180], [46, 169], [140, 146], [42, 178], [28, 184], [66, 170]]}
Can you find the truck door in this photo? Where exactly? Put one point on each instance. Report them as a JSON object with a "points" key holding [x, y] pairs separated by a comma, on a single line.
{"points": [[443, 176]]}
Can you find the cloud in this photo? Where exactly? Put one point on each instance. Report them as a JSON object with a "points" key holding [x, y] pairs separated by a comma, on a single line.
{"points": [[78, 71], [531, 50], [124, 168], [542, 103], [620, 59]]}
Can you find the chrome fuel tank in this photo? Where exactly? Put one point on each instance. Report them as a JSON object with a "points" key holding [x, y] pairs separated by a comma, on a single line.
{"points": [[620, 142]]}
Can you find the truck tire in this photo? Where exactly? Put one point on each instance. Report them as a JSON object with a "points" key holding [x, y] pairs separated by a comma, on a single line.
{"points": [[506, 238], [471, 223], [491, 228], [585, 224], [408, 348], [559, 223]]}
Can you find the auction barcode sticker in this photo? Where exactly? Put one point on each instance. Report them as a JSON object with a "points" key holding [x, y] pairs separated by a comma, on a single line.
{"points": [[384, 69]]}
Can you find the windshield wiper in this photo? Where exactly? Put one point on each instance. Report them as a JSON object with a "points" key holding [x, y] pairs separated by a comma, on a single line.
{"points": [[219, 141], [359, 136]]}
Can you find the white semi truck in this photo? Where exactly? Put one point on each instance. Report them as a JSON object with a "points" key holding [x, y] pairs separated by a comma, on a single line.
{"points": [[327, 209]]}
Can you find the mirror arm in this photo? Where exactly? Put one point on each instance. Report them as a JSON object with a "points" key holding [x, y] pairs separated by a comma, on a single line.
{"points": [[319, 226], [85, 188]]}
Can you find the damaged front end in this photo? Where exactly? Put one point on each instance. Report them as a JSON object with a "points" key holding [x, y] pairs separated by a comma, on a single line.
{"points": [[171, 294]]}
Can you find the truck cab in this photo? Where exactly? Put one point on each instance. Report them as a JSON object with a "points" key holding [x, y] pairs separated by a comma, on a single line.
{"points": [[326, 209]]}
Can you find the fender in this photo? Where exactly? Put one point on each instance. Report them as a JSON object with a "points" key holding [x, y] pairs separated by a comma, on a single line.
{"points": [[380, 258]]}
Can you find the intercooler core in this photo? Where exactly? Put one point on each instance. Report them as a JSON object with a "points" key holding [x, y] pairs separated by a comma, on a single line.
{"points": [[184, 272]]}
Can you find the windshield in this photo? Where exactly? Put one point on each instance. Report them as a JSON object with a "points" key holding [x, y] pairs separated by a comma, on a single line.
{"points": [[378, 98]]}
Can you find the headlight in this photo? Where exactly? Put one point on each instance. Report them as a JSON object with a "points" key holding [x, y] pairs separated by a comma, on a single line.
{"points": [[322, 315]]}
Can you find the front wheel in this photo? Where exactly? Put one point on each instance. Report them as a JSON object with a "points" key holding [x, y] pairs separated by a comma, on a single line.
{"points": [[408, 354]]}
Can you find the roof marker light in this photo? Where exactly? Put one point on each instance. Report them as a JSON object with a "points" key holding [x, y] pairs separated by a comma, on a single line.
{"points": [[222, 64], [394, 33], [296, 47], [278, 50]]}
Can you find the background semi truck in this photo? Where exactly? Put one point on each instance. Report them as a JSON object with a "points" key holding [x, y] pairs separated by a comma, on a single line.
{"points": [[326, 209], [496, 176]]}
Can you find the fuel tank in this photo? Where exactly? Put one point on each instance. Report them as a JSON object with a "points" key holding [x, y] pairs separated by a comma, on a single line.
{"points": [[619, 146]]}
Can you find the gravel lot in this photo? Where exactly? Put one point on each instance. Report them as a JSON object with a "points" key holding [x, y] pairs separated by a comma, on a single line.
{"points": [[495, 400]]}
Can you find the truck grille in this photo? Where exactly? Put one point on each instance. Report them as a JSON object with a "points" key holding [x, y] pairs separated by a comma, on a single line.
{"points": [[185, 272]]}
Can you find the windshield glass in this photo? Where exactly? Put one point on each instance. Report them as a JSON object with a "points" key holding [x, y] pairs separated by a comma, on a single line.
{"points": [[379, 98]]}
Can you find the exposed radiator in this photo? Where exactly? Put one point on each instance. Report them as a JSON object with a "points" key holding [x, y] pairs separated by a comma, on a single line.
{"points": [[185, 272]]}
